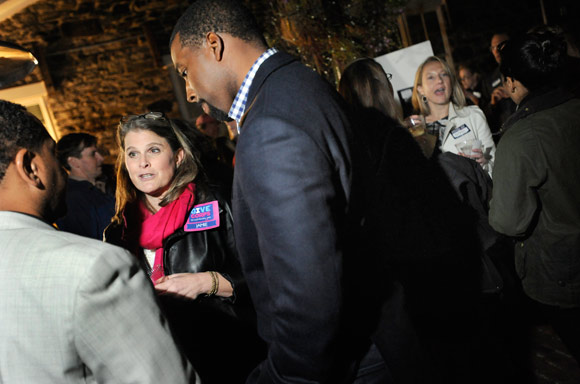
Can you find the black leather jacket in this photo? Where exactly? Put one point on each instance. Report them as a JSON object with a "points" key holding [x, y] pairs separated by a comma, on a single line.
{"points": [[206, 327], [192, 252]]}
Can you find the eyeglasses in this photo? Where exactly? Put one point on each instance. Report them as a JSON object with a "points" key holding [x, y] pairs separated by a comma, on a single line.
{"points": [[149, 116]]}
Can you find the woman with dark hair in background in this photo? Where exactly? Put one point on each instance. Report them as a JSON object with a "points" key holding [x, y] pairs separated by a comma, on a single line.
{"points": [[364, 83], [536, 197], [416, 224], [182, 233]]}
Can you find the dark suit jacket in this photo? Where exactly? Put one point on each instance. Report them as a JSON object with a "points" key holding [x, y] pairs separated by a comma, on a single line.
{"points": [[89, 210], [295, 225]]}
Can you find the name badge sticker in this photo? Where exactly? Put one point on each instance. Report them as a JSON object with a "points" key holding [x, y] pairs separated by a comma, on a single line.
{"points": [[203, 216], [460, 131]]}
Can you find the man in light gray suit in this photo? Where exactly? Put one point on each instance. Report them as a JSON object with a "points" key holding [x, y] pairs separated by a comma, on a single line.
{"points": [[72, 309]]}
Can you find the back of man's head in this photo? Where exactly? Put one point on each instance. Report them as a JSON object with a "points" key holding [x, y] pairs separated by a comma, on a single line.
{"points": [[72, 145], [218, 16], [18, 129]]}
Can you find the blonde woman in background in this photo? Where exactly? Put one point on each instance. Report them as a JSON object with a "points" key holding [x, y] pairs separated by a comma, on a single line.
{"points": [[439, 98]]}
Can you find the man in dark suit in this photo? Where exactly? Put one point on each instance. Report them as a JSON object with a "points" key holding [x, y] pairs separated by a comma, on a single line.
{"points": [[295, 204]]}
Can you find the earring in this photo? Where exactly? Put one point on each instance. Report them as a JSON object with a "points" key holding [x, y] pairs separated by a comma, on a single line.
{"points": [[424, 98]]}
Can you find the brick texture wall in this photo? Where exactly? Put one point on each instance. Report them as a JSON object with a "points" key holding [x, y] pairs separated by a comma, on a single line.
{"points": [[102, 59]]}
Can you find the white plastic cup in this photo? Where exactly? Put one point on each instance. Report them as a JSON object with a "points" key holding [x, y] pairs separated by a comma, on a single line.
{"points": [[464, 147]]}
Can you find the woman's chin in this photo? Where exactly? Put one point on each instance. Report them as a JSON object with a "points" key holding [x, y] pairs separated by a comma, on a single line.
{"points": [[440, 100], [152, 193]]}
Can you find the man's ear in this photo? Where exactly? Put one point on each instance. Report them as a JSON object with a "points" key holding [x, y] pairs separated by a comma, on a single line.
{"points": [[216, 44], [72, 161], [27, 167], [509, 83]]}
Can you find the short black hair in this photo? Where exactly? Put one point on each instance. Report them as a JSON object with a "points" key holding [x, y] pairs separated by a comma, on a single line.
{"points": [[218, 16], [73, 145], [18, 129], [535, 59]]}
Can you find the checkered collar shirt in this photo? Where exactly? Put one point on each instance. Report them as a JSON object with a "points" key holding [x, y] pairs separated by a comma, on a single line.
{"points": [[239, 106]]}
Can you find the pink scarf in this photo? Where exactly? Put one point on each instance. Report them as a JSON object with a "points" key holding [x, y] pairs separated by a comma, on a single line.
{"points": [[154, 228]]}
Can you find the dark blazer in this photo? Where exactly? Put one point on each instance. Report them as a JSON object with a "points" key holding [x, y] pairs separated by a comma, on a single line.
{"points": [[89, 210], [296, 222]]}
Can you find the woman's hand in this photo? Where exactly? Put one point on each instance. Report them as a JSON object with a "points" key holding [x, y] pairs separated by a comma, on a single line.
{"points": [[414, 121], [191, 285], [499, 94], [477, 155]]}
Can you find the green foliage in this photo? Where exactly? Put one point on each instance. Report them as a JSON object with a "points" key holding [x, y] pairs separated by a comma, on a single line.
{"points": [[329, 34]]}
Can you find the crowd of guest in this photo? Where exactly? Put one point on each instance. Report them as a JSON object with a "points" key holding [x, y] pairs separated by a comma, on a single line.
{"points": [[296, 234]]}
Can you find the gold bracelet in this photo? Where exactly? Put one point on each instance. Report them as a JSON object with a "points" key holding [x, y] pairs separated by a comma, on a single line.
{"points": [[215, 284]]}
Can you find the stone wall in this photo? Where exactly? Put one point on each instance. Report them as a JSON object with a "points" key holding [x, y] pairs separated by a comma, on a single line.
{"points": [[101, 59]]}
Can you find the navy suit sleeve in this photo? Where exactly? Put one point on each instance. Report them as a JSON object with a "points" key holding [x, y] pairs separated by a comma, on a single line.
{"points": [[292, 190]]}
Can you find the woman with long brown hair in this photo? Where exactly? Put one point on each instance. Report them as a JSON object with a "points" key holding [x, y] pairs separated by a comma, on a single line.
{"points": [[364, 83], [182, 233]]}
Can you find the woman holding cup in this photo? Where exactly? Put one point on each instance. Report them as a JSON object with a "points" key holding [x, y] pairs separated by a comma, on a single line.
{"points": [[440, 100]]}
